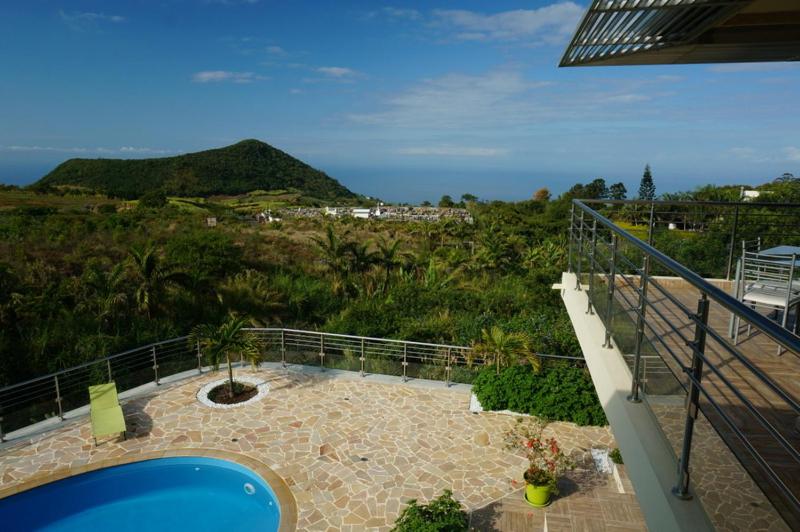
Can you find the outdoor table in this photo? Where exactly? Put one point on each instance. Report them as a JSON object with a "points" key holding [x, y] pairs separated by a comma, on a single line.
{"points": [[781, 250]]}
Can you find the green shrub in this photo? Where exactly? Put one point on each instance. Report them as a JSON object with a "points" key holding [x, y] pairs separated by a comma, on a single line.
{"points": [[560, 392], [443, 514], [615, 455]]}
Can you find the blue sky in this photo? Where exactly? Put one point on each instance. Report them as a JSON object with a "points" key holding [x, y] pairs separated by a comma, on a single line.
{"points": [[405, 101]]}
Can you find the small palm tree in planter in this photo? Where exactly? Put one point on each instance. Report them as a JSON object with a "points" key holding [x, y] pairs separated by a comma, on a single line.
{"points": [[546, 461], [225, 341]]}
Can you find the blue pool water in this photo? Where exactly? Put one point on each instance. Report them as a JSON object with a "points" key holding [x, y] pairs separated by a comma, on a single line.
{"points": [[166, 494]]}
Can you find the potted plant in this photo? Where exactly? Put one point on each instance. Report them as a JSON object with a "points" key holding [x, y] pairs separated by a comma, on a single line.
{"points": [[546, 461]]}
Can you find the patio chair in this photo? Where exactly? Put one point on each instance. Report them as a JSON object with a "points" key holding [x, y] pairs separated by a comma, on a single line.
{"points": [[105, 411], [768, 282]]}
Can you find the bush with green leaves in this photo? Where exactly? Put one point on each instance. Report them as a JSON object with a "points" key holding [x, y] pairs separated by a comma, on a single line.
{"points": [[442, 514], [559, 392]]}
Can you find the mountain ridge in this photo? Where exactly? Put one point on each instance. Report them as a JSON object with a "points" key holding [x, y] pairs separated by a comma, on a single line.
{"points": [[242, 167]]}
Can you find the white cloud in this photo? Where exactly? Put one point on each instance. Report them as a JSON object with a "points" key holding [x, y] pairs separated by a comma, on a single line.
{"points": [[100, 150], [458, 100], [792, 153], [789, 153], [396, 12], [216, 76], [627, 98], [276, 50], [337, 72], [551, 24], [83, 20], [453, 151]]}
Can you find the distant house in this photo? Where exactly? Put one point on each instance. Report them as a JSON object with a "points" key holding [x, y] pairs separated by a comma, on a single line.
{"points": [[264, 217], [750, 195], [211, 221], [360, 212]]}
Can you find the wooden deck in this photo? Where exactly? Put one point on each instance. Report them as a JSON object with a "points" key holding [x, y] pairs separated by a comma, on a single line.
{"points": [[670, 329]]}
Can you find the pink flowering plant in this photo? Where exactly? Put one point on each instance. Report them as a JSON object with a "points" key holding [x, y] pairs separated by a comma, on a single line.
{"points": [[546, 460]]}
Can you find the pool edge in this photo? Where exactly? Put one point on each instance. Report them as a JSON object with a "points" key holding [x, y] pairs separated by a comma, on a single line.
{"points": [[286, 500]]}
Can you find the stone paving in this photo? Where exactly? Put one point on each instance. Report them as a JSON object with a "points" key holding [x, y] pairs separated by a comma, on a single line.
{"points": [[730, 497], [352, 452]]}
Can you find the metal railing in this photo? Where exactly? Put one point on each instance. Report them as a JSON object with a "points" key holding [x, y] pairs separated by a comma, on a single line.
{"points": [[681, 318], [51, 396], [671, 225]]}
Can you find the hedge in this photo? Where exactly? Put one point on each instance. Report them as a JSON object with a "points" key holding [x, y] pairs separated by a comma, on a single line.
{"points": [[560, 392]]}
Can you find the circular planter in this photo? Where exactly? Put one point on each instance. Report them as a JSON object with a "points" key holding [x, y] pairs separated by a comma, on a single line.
{"points": [[537, 496], [260, 385]]}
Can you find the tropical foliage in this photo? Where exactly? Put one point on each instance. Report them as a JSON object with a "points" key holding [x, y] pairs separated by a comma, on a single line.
{"points": [[442, 514], [558, 392], [226, 341]]}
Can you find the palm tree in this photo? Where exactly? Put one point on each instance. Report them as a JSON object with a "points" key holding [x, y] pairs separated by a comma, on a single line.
{"points": [[226, 339], [334, 251], [361, 258], [388, 257], [152, 279], [250, 292], [505, 349], [104, 293]]}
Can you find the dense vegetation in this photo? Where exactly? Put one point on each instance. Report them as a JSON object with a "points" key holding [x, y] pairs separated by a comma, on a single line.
{"points": [[77, 284], [558, 392], [84, 276], [240, 168]]}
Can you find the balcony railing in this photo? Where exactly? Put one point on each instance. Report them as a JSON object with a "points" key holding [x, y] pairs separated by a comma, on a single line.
{"points": [[56, 394], [680, 322]]}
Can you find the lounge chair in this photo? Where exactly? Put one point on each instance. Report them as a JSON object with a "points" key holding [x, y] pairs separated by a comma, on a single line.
{"points": [[105, 411]]}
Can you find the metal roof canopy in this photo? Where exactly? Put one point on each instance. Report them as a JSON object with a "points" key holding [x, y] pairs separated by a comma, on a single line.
{"points": [[649, 32]]}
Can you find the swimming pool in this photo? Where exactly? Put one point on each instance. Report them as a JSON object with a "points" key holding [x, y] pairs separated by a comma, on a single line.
{"points": [[163, 494]]}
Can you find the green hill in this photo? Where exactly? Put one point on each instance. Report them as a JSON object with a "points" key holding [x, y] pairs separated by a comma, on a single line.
{"points": [[236, 169]]}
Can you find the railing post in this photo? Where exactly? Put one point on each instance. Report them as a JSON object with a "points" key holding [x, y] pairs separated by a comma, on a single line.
{"points": [[681, 489], [637, 353], [651, 224], [405, 361], [322, 351], [580, 252], [447, 370], [58, 399], [283, 348], [571, 236], [199, 358], [611, 286], [592, 249], [155, 366], [734, 230], [108, 367], [363, 358]]}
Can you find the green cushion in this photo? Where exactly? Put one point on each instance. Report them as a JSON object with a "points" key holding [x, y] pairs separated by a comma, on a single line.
{"points": [[107, 421], [105, 412], [103, 395]]}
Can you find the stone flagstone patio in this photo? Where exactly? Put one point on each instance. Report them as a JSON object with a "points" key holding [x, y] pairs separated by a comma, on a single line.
{"points": [[353, 452]]}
